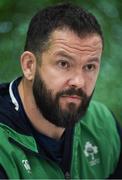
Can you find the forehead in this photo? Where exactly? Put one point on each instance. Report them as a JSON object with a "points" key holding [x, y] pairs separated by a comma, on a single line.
{"points": [[68, 39]]}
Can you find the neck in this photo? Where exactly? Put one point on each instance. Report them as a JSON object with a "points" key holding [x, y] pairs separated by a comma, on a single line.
{"points": [[37, 120]]}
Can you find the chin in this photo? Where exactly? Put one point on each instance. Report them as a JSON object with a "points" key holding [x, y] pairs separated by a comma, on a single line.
{"points": [[70, 107]]}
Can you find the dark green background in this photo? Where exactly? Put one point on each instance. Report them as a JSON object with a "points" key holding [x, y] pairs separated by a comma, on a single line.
{"points": [[14, 19]]}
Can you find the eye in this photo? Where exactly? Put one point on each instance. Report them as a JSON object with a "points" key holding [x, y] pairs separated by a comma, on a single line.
{"points": [[90, 67], [63, 64]]}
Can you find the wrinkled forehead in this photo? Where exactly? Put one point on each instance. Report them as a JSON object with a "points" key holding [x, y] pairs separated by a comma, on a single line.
{"points": [[67, 39]]}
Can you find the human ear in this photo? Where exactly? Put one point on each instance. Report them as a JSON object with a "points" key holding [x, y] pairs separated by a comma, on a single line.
{"points": [[28, 64]]}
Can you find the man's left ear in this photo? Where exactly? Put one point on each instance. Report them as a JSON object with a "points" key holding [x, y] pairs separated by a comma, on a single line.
{"points": [[28, 64]]}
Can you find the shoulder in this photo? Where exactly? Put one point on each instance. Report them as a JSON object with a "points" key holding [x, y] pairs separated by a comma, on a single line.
{"points": [[7, 112], [98, 107], [98, 127], [5, 146], [100, 122], [99, 114]]}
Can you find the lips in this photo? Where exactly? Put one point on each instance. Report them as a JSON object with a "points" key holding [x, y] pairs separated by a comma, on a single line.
{"points": [[72, 96], [72, 99]]}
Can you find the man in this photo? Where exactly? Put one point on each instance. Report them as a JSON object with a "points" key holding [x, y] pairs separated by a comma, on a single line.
{"points": [[49, 127]]}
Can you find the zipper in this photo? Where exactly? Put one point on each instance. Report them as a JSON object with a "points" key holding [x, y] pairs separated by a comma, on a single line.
{"points": [[67, 175], [67, 154]]}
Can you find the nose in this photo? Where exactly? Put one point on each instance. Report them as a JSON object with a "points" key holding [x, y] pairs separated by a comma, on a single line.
{"points": [[77, 80]]}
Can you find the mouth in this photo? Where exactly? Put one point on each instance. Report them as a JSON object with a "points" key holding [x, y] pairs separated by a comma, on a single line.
{"points": [[72, 98]]}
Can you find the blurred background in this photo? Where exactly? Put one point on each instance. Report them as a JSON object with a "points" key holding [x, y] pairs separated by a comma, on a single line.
{"points": [[14, 19]]}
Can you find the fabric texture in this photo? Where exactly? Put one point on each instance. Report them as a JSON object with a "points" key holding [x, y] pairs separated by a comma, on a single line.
{"points": [[94, 147]]}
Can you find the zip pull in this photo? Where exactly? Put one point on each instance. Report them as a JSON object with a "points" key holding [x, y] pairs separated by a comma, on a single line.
{"points": [[67, 175]]}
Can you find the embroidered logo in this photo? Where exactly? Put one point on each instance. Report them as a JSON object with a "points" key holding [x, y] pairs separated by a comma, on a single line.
{"points": [[91, 152], [26, 165]]}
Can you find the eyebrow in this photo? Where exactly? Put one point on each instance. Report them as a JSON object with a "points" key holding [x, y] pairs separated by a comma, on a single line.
{"points": [[95, 59], [62, 53]]}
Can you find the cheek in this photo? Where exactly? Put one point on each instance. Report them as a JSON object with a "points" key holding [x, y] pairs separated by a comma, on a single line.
{"points": [[53, 79], [90, 85]]}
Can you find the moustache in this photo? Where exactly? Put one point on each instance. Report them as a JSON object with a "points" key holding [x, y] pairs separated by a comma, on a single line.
{"points": [[72, 91]]}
